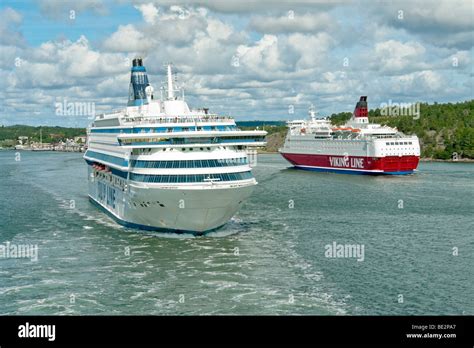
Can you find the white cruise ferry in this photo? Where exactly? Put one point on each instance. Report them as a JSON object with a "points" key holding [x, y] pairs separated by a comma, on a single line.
{"points": [[358, 147], [158, 165]]}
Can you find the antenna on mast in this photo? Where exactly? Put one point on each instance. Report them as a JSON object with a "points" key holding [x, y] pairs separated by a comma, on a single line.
{"points": [[312, 112], [170, 82]]}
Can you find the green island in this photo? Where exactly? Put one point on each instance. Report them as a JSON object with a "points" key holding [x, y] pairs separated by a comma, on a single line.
{"points": [[444, 129]]}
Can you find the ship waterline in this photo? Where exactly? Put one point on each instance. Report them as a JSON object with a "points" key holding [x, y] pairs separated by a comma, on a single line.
{"points": [[354, 164]]}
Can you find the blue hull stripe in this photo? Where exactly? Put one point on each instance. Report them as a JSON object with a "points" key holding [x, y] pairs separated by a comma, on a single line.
{"points": [[145, 227], [356, 172]]}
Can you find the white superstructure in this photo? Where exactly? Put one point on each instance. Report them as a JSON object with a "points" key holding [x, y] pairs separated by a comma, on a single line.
{"points": [[159, 165]]}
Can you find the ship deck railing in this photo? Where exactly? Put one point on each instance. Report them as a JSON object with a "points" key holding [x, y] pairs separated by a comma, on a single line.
{"points": [[112, 113], [177, 119]]}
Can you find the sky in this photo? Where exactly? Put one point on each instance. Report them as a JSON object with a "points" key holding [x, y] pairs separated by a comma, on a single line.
{"points": [[253, 60]]}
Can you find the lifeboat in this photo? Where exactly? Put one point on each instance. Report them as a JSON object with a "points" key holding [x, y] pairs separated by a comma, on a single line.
{"points": [[99, 167], [346, 129]]}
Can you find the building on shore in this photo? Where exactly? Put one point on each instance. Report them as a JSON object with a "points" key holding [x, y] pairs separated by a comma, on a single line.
{"points": [[70, 145], [78, 144], [82, 139]]}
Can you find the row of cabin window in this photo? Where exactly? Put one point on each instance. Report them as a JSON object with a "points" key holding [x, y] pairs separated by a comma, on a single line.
{"points": [[400, 143], [165, 130], [190, 163], [179, 141], [191, 178]]}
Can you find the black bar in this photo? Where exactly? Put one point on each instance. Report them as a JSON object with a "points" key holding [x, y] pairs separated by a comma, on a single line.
{"points": [[224, 330]]}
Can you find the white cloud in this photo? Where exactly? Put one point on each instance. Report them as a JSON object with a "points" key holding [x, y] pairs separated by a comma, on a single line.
{"points": [[261, 57], [9, 15], [413, 83], [128, 39], [442, 23], [116, 86], [174, 27], [424, 15], [149, 12], [292, 22], [312, 49], [9, 22], [394, 56], [218, 30], [243, 6], [61, 9]]}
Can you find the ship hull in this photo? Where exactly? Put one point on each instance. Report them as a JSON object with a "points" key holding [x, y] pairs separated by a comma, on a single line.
{"points": [[389, 165], [177, 210]]}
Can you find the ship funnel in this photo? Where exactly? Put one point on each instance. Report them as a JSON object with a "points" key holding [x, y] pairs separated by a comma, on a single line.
{"points": [[138, 84], [361, 107]]}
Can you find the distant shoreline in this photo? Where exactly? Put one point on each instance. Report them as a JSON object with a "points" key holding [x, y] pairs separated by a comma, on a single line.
{"points": [[38, 150]]}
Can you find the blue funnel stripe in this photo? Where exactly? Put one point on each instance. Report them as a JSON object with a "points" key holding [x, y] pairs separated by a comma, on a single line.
{"points": [[138, 102], [138, 84], [138, 68]]}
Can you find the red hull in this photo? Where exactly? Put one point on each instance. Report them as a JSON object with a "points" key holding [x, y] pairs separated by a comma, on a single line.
{"points": [[371, 165]]}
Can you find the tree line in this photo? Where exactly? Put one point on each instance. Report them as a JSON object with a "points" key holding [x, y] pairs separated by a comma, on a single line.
{"points": [[49, 134]]}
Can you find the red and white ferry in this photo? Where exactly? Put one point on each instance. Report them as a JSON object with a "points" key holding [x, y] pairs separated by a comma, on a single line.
{"points": [[358, 147]]}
